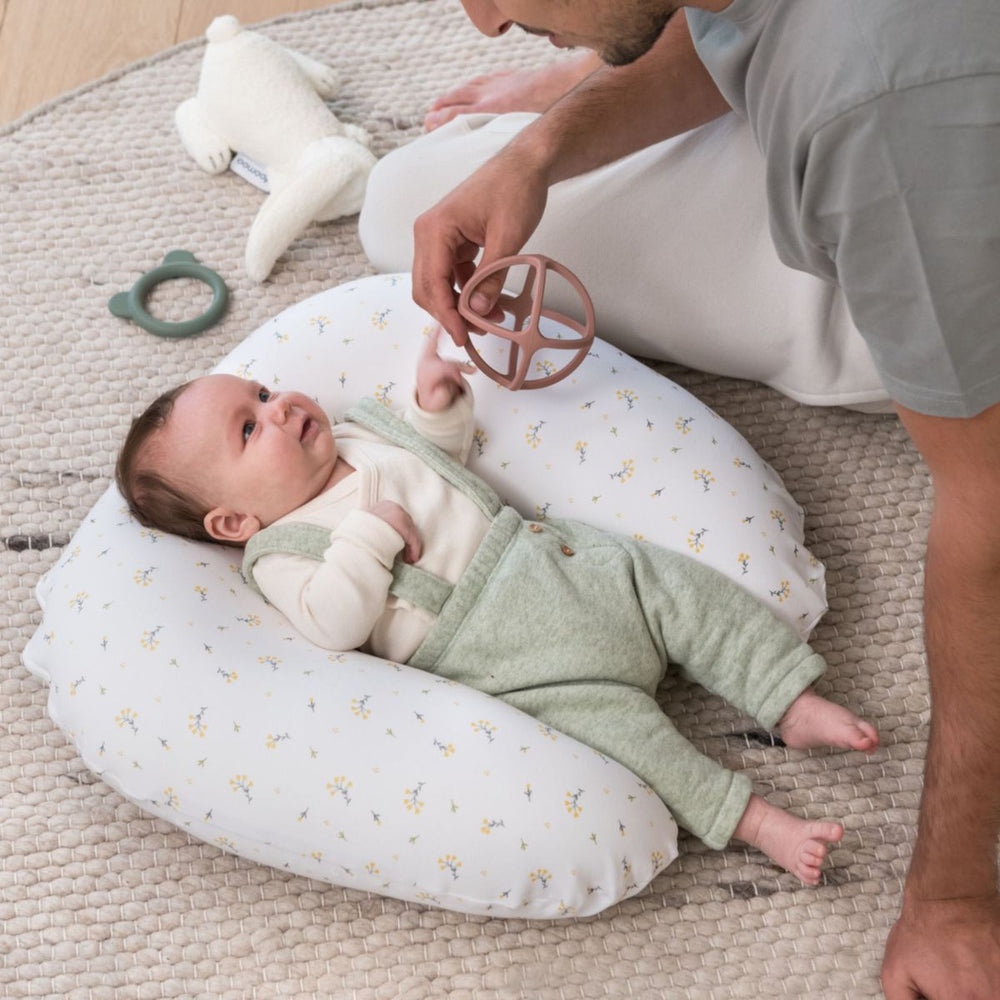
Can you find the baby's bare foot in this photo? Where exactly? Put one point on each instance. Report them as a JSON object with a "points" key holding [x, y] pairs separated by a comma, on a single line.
{"points": [[812, 721], [798, 845]]}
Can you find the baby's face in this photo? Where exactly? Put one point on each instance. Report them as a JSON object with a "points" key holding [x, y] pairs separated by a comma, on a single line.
{"points": [[246, 450]]}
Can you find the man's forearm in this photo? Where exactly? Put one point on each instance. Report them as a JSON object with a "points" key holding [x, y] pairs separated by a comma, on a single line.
{"points": [[617, 111], [955, 854], [946, 942]]}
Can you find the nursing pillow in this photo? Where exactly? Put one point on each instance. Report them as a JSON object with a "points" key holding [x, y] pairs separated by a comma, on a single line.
{"points": [[189, 694]]}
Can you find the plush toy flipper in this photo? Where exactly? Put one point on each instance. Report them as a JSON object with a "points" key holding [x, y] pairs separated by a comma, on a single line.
{"points": [[329, 182], [358, 134], [207, 148], [324, 80]]}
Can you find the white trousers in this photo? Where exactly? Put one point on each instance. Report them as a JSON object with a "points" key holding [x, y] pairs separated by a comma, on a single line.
{"points": [[673, 247]]}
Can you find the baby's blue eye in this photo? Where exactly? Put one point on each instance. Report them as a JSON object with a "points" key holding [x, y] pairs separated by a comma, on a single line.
{"points": [[264, 394], [248, 430]]}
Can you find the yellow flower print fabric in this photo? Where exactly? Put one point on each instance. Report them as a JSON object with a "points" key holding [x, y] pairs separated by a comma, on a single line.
{"points": [[189, 694]]}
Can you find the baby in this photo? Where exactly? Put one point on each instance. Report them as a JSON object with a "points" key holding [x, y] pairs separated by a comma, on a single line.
{"points": [[372, 534]]}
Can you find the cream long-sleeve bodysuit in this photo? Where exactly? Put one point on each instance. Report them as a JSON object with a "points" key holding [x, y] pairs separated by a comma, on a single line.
{"points": [[345, 602]]}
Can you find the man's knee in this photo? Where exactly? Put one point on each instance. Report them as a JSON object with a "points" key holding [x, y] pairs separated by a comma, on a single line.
{"points": [[416, 176], [390, 207]]}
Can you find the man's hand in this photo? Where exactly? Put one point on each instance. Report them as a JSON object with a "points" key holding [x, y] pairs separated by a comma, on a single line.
{"points": [[495, 209], [944, 950], [439, 382], [401, 522], [607, 116]]}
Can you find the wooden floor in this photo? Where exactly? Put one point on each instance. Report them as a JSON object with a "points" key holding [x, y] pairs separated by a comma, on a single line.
{"points": [[50, 46]]}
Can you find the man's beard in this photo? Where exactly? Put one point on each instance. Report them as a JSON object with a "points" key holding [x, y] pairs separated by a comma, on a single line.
{"points": [[640, 41]]}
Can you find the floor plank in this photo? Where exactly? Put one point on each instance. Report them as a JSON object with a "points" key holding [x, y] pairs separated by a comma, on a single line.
{"points": [[197, 15], [50, 46]]}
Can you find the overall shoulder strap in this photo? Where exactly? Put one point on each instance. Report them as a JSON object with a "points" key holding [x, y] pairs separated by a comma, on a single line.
{"points": [[382, 421], [296, 538], [420, 588]]}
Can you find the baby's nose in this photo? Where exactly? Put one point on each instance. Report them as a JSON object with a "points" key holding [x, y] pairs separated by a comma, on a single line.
{"points": [[279, 409]]}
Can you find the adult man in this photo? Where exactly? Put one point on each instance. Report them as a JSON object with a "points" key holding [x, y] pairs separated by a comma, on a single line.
{"points": [[879, 121]]}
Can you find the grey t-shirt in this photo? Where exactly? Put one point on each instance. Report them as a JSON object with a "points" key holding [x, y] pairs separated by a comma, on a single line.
{"points": [[880, 124]]}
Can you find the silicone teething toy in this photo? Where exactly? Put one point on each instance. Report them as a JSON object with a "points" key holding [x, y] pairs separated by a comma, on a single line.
{"points": [[177, 264], [526, 338]]}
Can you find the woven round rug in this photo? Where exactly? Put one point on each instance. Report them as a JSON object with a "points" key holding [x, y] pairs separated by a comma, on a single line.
{"points": [[99, 900]]}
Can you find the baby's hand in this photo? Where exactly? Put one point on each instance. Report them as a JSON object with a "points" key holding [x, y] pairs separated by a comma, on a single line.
{"points": [[398, 519], [438, 381]]}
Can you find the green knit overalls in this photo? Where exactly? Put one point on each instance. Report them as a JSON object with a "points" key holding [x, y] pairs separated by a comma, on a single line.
{"points": [[576, 627]]}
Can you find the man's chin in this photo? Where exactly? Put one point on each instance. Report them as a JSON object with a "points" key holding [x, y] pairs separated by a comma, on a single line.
{"points": [[618, 56], [626, 53]]}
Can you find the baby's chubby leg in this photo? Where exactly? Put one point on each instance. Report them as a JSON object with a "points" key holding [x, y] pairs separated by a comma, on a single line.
{"points": [[731, 644], [798, 845], [705, 798]]}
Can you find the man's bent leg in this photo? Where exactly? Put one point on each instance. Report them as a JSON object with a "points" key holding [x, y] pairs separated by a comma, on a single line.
{"points": [[673, 246]]}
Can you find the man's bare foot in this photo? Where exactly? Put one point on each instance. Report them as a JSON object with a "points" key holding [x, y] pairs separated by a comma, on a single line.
{"points": [[512, 90], [812, 721], [798, 845]]}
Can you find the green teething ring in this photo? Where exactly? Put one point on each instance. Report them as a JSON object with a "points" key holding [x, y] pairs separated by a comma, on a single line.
{"points": [[177, 264]]}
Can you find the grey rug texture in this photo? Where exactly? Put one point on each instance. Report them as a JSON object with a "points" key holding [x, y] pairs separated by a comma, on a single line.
{"points": [[99, 901]]}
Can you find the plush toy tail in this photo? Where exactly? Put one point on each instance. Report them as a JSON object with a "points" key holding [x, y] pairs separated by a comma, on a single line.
{"points": [[223, 28], [328, 182]]}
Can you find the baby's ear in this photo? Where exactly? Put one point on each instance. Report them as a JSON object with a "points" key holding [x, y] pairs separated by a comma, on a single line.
{"points": [[225, 525]]}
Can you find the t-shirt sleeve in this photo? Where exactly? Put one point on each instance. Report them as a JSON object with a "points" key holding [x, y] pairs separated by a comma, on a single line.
{"points": [[903, 193]]}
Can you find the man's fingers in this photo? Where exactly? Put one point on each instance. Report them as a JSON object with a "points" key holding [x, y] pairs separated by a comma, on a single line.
{"points": [[462, 271], [899, 988], [432, 279], [492, 209], [484, 299], [897, 975]]}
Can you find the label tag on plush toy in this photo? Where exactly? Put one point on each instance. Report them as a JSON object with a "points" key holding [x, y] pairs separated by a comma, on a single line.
{"points": [[250, 170]]}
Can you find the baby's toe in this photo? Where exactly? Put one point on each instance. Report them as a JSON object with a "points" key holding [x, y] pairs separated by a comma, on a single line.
{"points": [[809, 874], [814, 854], [868, 738], [829, 833]]}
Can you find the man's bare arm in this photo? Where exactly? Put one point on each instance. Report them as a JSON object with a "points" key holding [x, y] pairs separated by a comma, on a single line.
{"points": [[947, 941], [618, 110], [613, 112]]}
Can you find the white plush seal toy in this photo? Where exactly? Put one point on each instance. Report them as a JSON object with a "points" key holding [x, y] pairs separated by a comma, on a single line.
{"points": [[259, 98]]}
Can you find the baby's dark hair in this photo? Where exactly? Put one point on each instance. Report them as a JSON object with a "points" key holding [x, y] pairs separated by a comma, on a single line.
{"points": [[152, 500]]}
